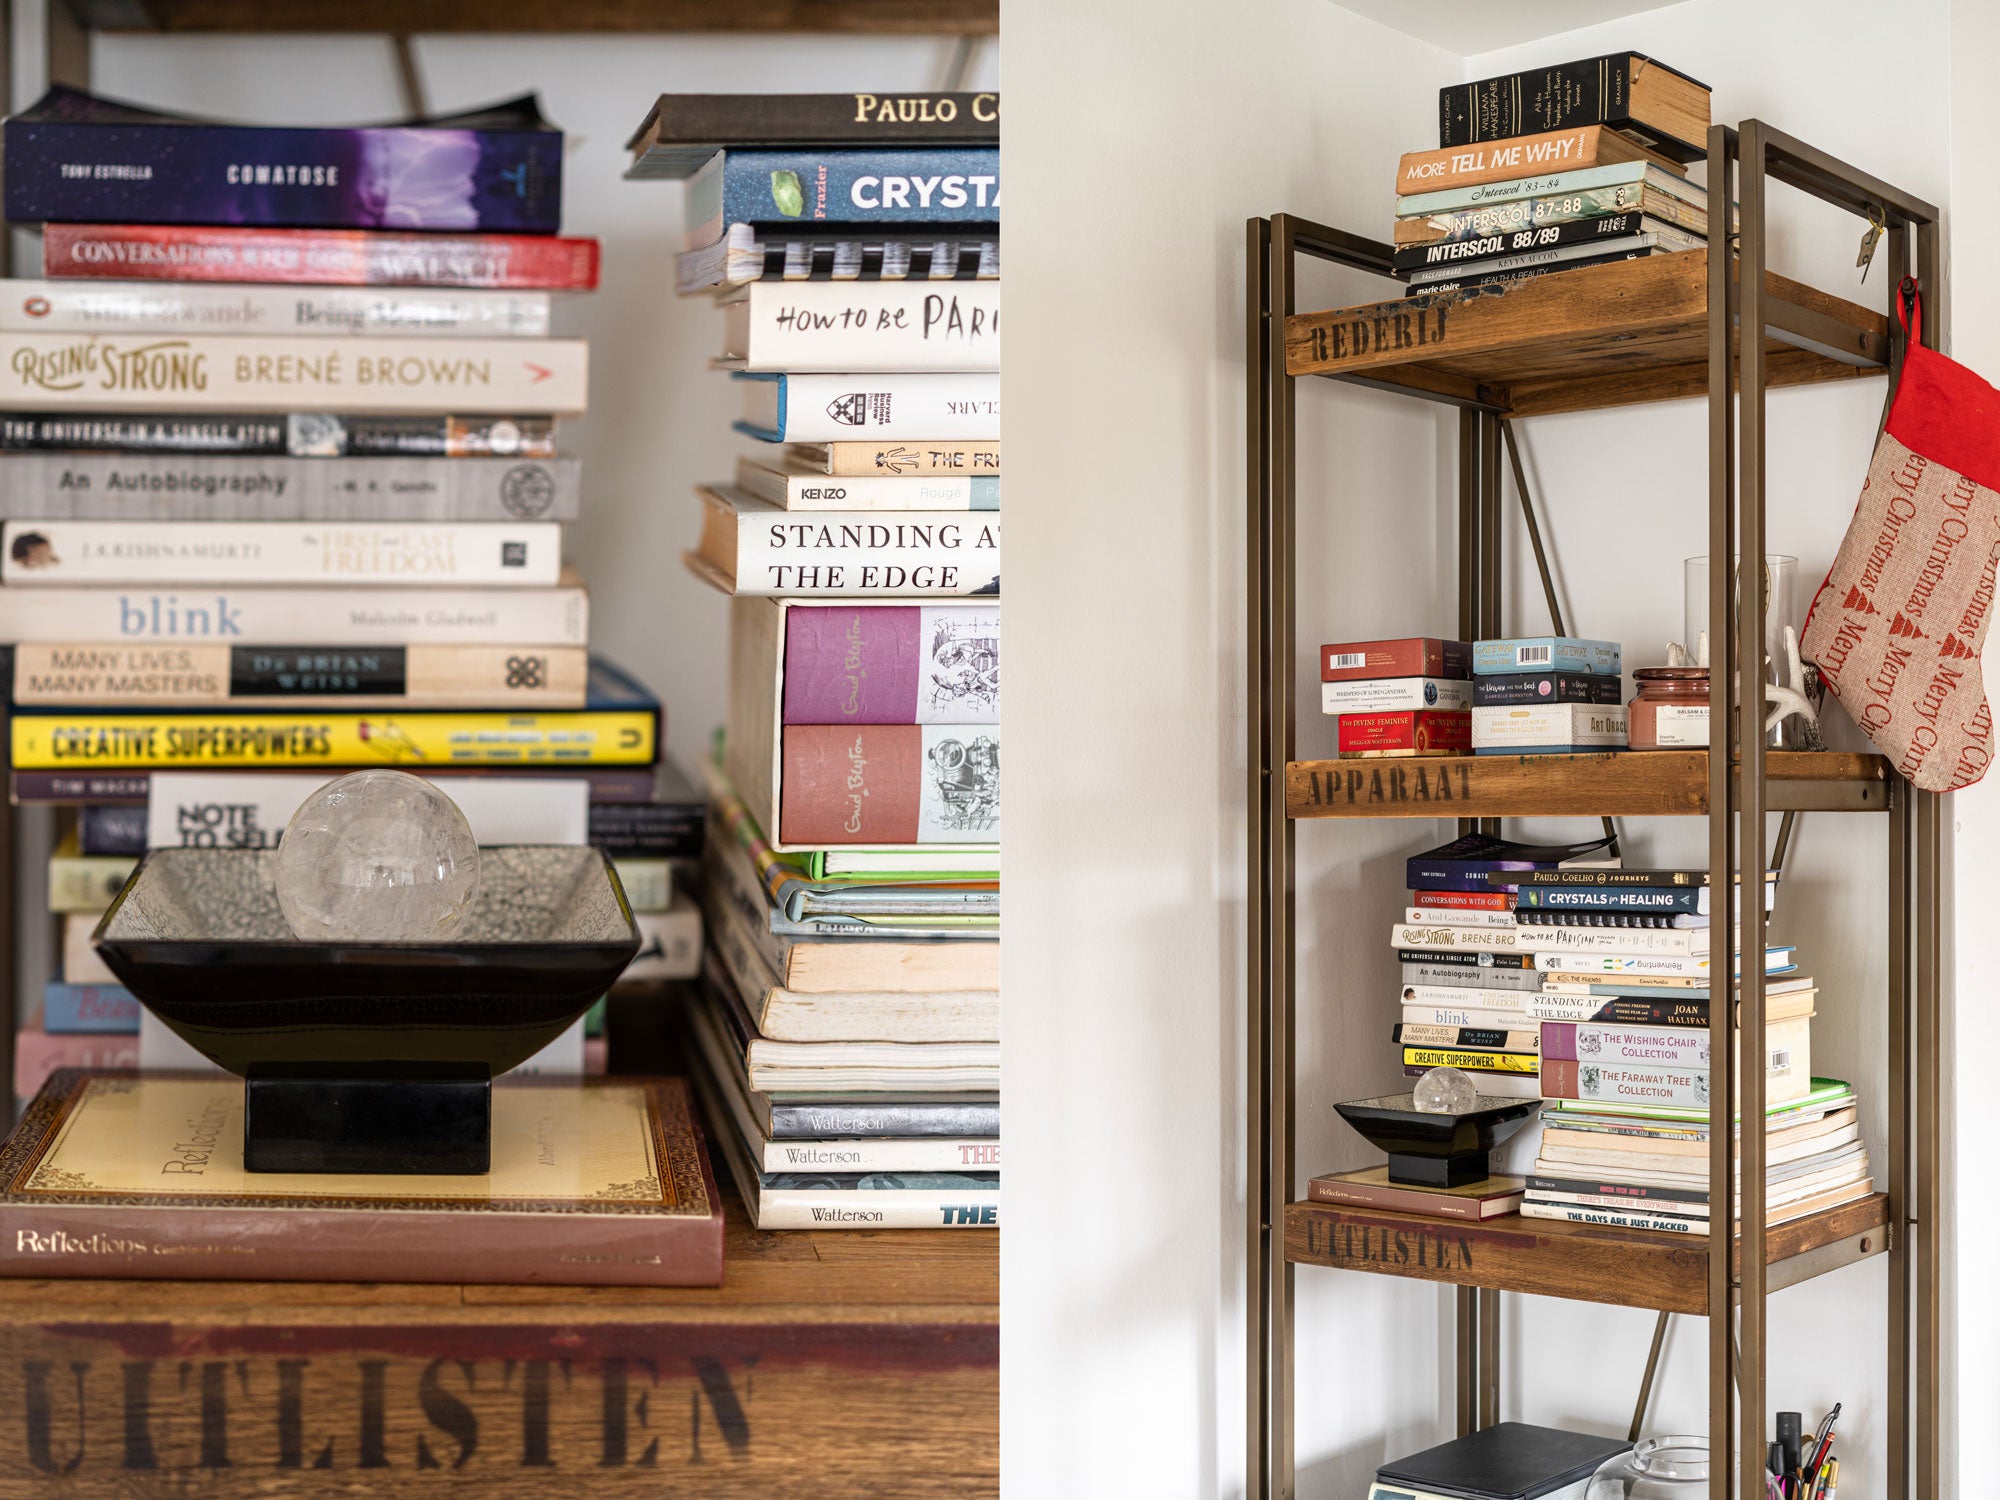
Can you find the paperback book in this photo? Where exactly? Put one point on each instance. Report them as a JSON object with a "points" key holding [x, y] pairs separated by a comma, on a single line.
{"points": [[317, 257]]}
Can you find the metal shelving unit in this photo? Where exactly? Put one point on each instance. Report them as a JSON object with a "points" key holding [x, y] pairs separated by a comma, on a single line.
{"points": [[1604, 336]]}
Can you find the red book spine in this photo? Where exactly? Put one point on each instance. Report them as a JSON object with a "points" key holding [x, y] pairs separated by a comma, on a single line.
{"points": [[1410, 656], [851, 784], [318, 257], [1409, 729], [1465, 900], [1559, 1078]]}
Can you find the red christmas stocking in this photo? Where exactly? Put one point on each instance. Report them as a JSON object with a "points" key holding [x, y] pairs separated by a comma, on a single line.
{"points": [[1897, 627]]}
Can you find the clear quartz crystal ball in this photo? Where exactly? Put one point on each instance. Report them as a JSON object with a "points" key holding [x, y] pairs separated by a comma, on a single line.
{"points": [[377, 857], [1444, 1091]]}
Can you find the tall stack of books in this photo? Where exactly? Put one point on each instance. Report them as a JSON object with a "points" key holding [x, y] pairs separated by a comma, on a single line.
{"points": [[1546, 695], [1625, 1062], [1469, 970], [1554, 168], [281, 489], [847, 1033]]}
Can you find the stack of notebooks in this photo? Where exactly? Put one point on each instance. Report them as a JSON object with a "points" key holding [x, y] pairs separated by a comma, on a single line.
{"points": [[1625, 1060], [1546, 695], [847, 1029], [1551, 169], [282, 492]]}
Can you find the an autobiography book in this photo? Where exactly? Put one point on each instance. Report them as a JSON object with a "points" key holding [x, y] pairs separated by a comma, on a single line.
{"points": [[895, 326], [749, 546], [72, 157], [317, 257], [920, 185], [902, 409], [219, 487], [296, 434], [167, 307], [237, 373], [682, 131], [331, 614], [63, 554], [600, 1183]]}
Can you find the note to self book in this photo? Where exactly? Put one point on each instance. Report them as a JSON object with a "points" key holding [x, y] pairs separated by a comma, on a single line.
{"points": [[1897, 626]]}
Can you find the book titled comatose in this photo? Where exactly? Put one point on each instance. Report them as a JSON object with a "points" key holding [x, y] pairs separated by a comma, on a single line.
{"points": [[76, 158], [322, 257], [598, 1183]]}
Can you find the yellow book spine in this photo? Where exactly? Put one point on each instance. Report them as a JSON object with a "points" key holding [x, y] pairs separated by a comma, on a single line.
{"points": [[612, 737], [1478, 1062]]}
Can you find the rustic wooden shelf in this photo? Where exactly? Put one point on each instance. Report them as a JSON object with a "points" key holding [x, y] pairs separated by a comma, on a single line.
{"points": [[399, 17], [1629, 784], [854, 1365], [1601, 336], [1582, 1262]]}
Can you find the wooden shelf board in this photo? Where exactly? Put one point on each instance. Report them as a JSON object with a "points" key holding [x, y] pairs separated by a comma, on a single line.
{"points": [[398, 17], [840, 1364], [1599, 336], [1581, 1262], [1630, 783]]}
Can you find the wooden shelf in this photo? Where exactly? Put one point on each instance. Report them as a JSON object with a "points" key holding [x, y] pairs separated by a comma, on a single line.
{"points": [[399, 17], [1601, 336], [1582, 1262], [1630, 784], [851, 1365]]}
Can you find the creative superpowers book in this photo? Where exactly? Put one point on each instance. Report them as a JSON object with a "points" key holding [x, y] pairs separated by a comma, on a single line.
{"points": [[619, 725], [603, 1183], [73, 157]]}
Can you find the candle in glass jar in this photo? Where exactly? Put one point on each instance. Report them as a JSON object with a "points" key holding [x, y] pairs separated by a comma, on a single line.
{"points": [[1670, 709]]}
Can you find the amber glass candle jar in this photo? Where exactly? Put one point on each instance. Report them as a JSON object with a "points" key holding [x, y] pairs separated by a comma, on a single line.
{"points": [[1670, 709]]}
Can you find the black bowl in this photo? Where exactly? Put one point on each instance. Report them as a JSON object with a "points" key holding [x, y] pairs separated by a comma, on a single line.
{"points": [[1436, 1150], [198, 936]]}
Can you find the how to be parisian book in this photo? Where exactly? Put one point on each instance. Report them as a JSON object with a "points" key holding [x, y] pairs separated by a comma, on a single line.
{"points": [[606, 1182]]}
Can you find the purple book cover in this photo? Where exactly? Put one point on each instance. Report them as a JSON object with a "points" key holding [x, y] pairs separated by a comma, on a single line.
{"points": [[79, 159], [892, 664]]}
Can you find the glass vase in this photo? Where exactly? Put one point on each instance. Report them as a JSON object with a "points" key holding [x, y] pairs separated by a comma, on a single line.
{"points": [[1660, 1468]]}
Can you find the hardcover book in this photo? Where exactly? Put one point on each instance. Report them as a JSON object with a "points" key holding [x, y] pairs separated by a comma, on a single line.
{"points": [[73, 157], [884, 663], [1370, 1187], [298, 434], [1547, 185], [59, 554], [1640, 97], [159, 307], [318, 257], [235, 373], [603, 1182], [1553, 257], [901, 409], [682, 131], [890, 784], [820, 326], [861, 459], [331, 614], [130, 788], [938, 185], [748, 546], [1686, 209], [1502, 160], [1470, 862], [165, 487], [1483, 251]]}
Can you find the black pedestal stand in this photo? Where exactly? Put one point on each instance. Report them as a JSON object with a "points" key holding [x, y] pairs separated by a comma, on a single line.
{"points": [[396, 1118]]}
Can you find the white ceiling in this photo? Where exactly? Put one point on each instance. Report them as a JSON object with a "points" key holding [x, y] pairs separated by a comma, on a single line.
{"points": [[1473, 26]]}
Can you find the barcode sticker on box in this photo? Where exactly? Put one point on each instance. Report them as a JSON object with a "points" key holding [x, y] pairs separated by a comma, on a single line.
{"points": [[1781, 1059], [1531, 656], [1348, 659]]}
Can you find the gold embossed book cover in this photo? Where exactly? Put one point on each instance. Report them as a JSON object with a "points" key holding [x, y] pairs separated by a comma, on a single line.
{"points": [[599, 1182]]}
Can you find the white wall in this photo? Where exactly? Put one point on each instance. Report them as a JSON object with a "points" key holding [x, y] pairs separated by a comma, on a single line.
{"points": [[659, 419], [1123, 1372]]}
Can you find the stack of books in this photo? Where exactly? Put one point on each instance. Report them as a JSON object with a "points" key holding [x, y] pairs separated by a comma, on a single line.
{"points": [[1622, 1020], [1554, 168], [1546, 695], [1406, 697], [1469, 970], [281, 490], [847, 1030]]}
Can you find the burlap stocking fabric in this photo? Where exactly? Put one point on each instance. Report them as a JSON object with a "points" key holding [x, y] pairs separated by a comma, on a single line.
{"points": [[1898, 625]]}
